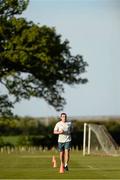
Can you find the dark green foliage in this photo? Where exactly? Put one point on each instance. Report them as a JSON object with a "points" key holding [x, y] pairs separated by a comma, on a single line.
{"points": [[5, 106], [23, 141], [34, 61], [9, 8], [1, 142]]}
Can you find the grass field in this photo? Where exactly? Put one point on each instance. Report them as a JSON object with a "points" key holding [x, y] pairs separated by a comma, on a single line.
{"points": [[37, 165]]}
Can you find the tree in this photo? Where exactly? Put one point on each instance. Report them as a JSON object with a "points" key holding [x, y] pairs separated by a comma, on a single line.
{"points": [[34, 61]]}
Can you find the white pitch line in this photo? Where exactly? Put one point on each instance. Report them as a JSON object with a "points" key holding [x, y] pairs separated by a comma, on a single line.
{"points": [[91, 167]]}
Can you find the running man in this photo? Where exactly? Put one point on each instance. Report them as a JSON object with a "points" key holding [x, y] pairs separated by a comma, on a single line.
{"points": [[63, 128]]}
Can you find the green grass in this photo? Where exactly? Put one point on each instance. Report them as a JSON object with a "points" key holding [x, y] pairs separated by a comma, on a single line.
{"points": [[11, 139], [37, 165]]}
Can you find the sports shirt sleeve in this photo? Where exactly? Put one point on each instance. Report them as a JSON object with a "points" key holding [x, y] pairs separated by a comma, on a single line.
{"points": [[56, 128]]}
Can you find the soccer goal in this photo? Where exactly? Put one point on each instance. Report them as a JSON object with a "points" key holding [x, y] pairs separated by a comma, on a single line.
{"points": [[97, 140]]}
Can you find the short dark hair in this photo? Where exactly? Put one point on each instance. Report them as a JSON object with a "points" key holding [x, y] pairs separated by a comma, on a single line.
{"points": [[64, 115]]}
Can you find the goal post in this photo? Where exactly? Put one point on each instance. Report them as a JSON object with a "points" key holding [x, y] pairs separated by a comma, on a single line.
{"points": [[84, 139], [97, 140]]}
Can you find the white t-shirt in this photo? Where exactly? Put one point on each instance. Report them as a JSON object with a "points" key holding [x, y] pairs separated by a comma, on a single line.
{"points": [[66, 127]]}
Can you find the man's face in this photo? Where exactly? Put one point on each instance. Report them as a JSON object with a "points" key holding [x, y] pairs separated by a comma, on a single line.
{"points": [[63, 117]]}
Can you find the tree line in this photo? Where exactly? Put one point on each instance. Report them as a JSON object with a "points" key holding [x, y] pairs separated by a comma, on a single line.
{"points": [[35, 132]]}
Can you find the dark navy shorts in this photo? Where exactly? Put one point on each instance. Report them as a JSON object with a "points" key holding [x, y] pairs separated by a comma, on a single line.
{"points": [[63, 146]]}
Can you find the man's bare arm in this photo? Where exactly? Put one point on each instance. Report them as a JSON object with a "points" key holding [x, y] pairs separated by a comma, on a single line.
{"points": [[58, 132]]}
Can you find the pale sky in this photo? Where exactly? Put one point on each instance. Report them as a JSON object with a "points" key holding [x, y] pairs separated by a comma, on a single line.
{"points": [[93, 30]]}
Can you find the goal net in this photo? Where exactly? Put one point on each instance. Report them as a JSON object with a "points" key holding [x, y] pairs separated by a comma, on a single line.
{"points": [[97, 140]]}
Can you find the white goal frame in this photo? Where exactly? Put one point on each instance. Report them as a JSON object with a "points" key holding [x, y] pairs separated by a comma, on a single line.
{"points": [[87, 140]]}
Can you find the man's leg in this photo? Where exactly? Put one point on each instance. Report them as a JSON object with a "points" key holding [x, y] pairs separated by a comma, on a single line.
{"points": [[67, 156], [62, 157], [61, 149]]}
